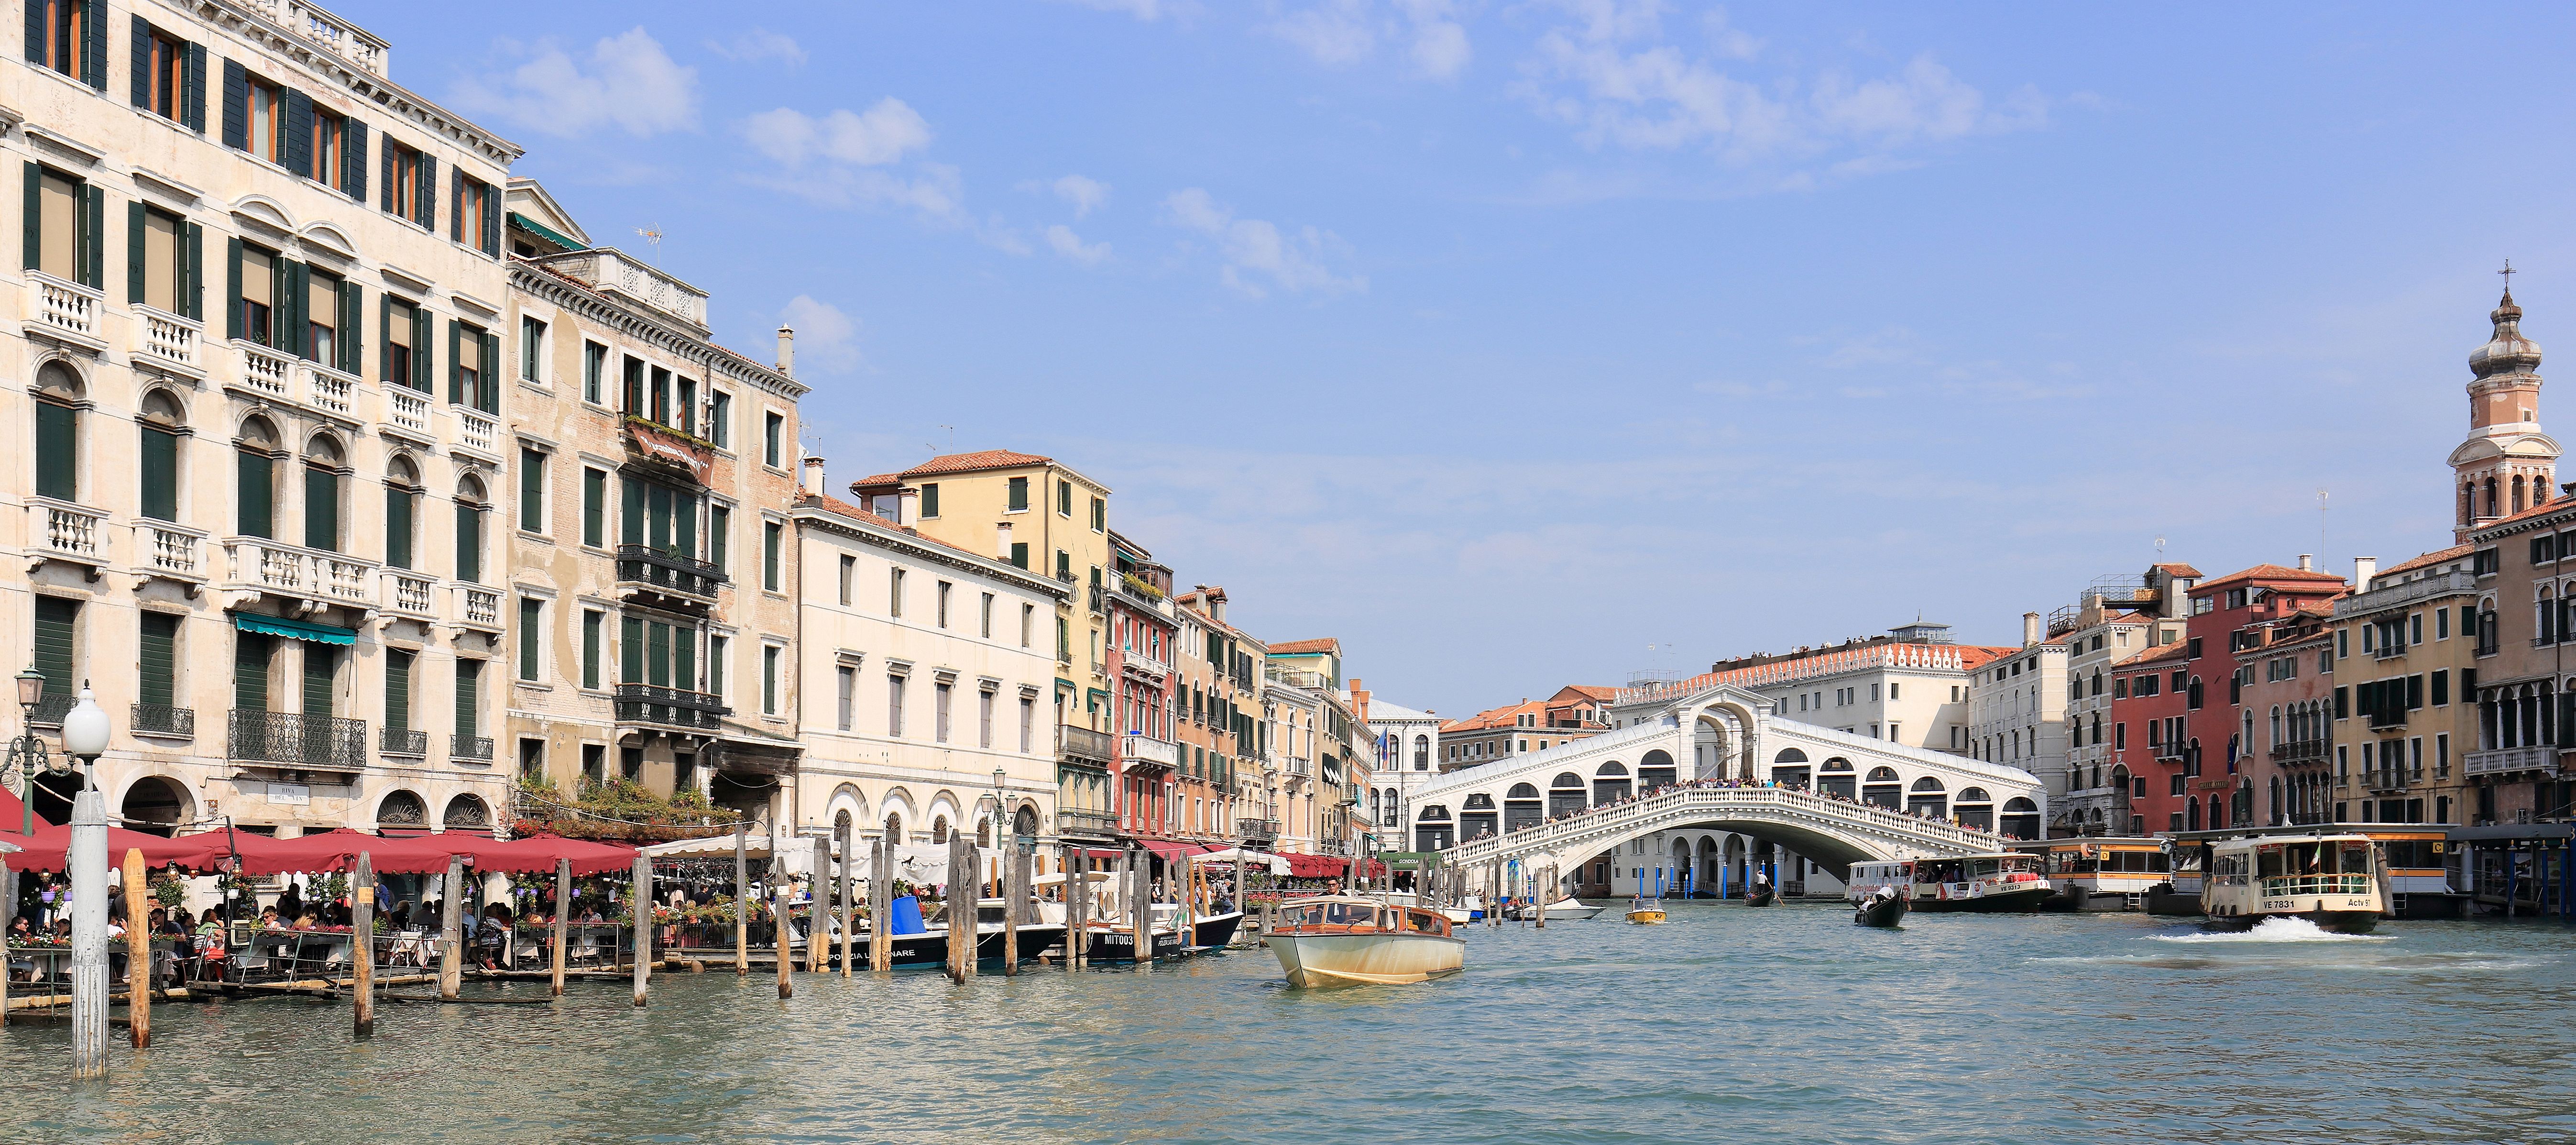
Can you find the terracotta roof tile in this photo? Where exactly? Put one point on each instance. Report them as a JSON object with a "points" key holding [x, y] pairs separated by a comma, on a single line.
{"points": [[2177, 568], [2453, 553], [2540, 510], [2174, 650], [1326, 644], [2269, 572]]}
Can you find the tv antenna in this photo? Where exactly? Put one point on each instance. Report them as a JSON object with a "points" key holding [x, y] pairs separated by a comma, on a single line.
{"points": [[653, 235]]}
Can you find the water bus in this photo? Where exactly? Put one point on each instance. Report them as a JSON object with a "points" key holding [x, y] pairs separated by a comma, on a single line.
{"points": [[2336, 881], [2102, 873], [1346, 940], [2001, 882]]}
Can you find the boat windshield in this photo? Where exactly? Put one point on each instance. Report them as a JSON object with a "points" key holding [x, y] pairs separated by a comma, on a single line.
{"points": [[1350, 914], [1426, 922], [1301, 916]]}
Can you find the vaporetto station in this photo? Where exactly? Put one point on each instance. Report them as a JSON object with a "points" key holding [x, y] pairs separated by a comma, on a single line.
{"points": [[1807, 802]]}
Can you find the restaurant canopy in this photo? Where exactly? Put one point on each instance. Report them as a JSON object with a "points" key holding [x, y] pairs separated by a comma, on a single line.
{"points": [[44, 850], [538, 854], [338, 850], [1250, 858]]}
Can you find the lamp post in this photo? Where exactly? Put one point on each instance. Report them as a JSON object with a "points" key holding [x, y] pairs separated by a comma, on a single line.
{"points": [[27, 754], [85, 733]]}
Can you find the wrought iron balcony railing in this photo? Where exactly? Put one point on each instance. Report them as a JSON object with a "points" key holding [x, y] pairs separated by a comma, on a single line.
{"points": [[297, 740], [403, 741], [163, 719], [668, 572], [669, 707]]}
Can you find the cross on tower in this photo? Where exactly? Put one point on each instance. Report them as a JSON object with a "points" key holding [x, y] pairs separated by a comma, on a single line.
{"points": [[2507, 272]]}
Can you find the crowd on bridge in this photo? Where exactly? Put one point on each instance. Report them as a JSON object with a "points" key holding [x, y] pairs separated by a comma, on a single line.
{"points": [[1731, 782]]}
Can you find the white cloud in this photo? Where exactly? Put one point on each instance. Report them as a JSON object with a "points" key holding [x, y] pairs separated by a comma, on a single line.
{"points": [[759, 45], [1086, 195], [824, 335], [1340, 33], [1061, 239], [1607, 70], [629, 83], [1257, 251], [882, 134]]}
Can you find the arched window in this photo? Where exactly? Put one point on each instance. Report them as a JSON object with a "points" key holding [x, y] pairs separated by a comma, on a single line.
{"points": [[59, 399], [256, 452], [466, 811], [894, 829], [1789, 755], [939, 829], [1521, 791], [160, 423], [402, 809], [1422, 753], [469, 536], [1883, 775], [324, 467], [402, 507]]}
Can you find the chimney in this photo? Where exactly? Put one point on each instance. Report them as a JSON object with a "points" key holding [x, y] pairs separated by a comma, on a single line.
{"points": [[1002, 542], [813, 482], [2307, 563], [2029, 629], [907, 506], [1216, 606], [787, 350], [2363, 568]]}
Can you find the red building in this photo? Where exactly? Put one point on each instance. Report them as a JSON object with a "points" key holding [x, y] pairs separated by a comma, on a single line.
{"points": [[2149, 710], [2211, 784], [1143, 640]]}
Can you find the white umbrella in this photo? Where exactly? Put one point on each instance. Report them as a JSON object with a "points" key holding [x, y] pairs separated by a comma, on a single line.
{"points": [[1275, 864]]}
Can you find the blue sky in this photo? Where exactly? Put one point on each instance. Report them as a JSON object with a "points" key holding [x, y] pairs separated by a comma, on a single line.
{"points": [[1519, 344]]}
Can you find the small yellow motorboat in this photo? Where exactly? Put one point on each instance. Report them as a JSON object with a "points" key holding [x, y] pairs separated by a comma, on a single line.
{"points": [[1645, 912]]}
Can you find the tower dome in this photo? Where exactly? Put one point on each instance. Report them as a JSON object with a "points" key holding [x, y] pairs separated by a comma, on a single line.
{"points": [[2506, 351]]}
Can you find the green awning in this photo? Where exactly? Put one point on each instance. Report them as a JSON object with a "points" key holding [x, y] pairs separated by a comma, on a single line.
{"points": [[294, 629], [545, 232]]}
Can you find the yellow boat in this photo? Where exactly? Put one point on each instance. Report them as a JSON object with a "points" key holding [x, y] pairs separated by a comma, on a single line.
{"points": [[1645, 913]]}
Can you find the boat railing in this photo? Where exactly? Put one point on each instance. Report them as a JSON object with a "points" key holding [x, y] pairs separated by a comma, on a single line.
{"points": [[2284, 885]]}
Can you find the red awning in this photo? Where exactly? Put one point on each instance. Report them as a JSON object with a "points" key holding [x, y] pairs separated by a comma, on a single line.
{"points": [[338, 850], [538, 854], [1168, 851], [1100, 853], [45, 850], [1318, 866]]}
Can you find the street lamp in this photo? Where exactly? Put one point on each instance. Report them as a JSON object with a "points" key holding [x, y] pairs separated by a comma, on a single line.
{"points": [[27, 754], [85, 735]]}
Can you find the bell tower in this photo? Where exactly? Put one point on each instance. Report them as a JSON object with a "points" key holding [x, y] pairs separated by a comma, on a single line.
{"points": [[2505, 465]]}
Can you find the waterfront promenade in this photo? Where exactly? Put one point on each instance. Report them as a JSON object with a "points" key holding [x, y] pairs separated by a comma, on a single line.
{"points": [[1962, 1028]]}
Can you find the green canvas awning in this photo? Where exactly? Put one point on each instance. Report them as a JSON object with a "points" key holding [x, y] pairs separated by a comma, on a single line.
{"points": [[294, 629], [545, 232]]}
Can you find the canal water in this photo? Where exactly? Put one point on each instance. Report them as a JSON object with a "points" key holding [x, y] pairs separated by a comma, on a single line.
{"points": [[1728, 1024]]}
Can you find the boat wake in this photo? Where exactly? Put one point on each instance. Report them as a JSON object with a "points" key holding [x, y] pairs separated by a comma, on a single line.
{"points": [[2274, 930]]}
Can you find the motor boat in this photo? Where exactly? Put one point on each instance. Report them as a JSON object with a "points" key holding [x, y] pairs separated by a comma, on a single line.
{"points": [[1563, 910], [2334, 881], [1644, 911], [2000, 882], [1884, 906], [1347, 940]]}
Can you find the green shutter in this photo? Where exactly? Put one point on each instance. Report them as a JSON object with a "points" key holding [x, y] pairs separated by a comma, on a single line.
{"points": [[657, 514], [397, 689], [398, 527], [160, 464], [715, 667], [630, 650], [469, 695], [769, 555], [250, 670], [684, 524], [594, 507], [236, 106], [531, 610], [233, 295], [719, 534], [321, 509], [286, 315], [491, 375], [159, 662], [1020, 554], [57, 628], [469, 544], [140, 81], [930, 499], [320, 663], [657, 654], [192, 97], [590, 626], [94, 47], [32, 217], [351, 323], [630, 518], [684, 659], [94, 236], [134, 247], [37, 30], [455, 362], [532, 489], [57, 444], [192, 286], [420, 355], [255, 505]]}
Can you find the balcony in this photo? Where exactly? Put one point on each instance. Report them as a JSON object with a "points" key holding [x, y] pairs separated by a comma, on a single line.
{"points": [[264, 371], [2396, 595], [1263, 830], [478, 607], [328, 32], [1085, 744], [1298, 766], [164, 720], [2388, 651], [407, 411], [670, 707], [669, 574], [170, 551], [68, 531], [404, 741], [330, 391], [297, 741], [480, 432], [2395, 718], [67, 308], [470, 747], [2501, 761], [1350, 796], [2166, 751], [2302, 751], [1332, 847], [1099, 601], [1143, 663], [408, 594], [1145, 753], [611, 271], [170, 340], [292, 570], [1072, 822]]}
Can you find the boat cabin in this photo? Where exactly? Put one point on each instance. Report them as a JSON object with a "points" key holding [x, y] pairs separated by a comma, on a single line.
{"points": [[2329, 865], [1978, 869], [1357, 916]]}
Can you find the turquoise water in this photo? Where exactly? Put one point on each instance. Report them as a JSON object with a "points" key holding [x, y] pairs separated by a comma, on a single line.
{"points": [[1728, 1024]]}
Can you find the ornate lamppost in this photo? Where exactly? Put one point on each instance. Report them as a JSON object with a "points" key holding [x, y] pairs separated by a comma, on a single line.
{"points": [[27, 754], [85, 735]]}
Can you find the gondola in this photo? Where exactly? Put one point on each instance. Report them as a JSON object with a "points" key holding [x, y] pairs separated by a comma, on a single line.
{"points": [[1761, 895], [1885, 907]]}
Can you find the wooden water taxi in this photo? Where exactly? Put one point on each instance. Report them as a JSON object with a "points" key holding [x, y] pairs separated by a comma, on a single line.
{"points": [[2334, 881], [1346, 940], [1645, 911]]}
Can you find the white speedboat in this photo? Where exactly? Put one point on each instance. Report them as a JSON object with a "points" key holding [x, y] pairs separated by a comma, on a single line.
{"points": [[1346, 940], [1563, 910]]}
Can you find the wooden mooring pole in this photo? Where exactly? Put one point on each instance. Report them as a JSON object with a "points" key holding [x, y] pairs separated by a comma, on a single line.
{"points": [[138, 948], [1012, 888], [741, 903], [563, 916], [362, 948], [849, 890], [451, 930], [643, 926], [818, 940], [881, 907], [1077, 909]]}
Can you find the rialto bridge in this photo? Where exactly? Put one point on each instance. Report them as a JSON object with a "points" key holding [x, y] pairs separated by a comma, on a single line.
{"points": [[1833, 798]]}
